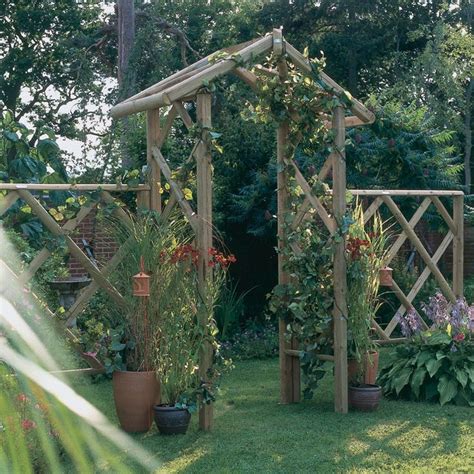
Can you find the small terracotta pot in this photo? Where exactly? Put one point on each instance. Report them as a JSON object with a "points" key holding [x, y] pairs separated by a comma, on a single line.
{"points": [[365, 397], [171, 420], [135, 394], [371, 367]]}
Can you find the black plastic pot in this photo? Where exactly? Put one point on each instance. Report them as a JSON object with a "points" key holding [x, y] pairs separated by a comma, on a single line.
{"points": [[365, 397], [171, 420]]}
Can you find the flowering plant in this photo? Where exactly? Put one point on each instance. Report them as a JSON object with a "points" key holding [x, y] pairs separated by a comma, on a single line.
{"points": [[166, 332], [27, 421], [365, 253], [437, 362], [456, 321]]}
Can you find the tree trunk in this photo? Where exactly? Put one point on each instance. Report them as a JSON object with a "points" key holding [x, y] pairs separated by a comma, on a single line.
{"points": [[126, 37], [468, 137], [352, 59], [126, 77]]}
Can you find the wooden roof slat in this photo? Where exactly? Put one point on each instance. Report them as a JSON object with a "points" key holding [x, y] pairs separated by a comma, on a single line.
{"points": [[186, 82], [182, 89], [188, 71]]}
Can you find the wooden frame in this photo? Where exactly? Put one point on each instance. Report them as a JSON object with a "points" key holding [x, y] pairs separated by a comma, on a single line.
{"points": [[190, 85]]}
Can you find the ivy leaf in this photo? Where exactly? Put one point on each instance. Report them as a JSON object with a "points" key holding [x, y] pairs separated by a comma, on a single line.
{"points": [[447, 388], [188, 194], [117, 346]]}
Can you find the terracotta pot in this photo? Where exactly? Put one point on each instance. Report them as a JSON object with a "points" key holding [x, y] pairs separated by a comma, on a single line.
{"points": [[171, 420], [135, 394], [371, 367], [365, 397]]}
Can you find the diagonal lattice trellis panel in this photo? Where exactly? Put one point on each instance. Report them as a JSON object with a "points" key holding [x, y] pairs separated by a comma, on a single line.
{"points": [[407, 234], [98, 276], [454, 234]]}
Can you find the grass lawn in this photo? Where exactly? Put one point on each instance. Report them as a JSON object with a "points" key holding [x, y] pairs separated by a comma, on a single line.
{"points": [[253, 433]]}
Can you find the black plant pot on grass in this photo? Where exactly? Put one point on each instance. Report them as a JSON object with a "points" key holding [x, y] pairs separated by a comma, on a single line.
{"points": [[171, 420], [365, 397]]}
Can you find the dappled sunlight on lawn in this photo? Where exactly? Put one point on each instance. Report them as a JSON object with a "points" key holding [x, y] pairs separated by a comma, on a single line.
{"points": [[254, 433]]}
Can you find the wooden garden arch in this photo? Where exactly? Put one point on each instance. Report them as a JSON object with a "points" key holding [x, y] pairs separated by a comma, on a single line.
{"points": [[189, 85]]}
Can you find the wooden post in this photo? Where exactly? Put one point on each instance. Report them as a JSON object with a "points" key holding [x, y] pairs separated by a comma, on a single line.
{"points": [[458, 246], [154, 173], [143, 199], [289, 366], [340, 276], [204, 239]]}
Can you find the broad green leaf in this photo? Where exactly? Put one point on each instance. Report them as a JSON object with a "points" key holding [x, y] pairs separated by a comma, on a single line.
{"points": [[433, 365], [462, 376], [423, 357], [402, 379], [12, 136], [470, 371], [417, 380], [447, 389]]}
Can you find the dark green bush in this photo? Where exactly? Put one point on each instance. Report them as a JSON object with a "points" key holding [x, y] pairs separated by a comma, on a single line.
{"points": [[431, 371], [436, 364], [252, 343]]}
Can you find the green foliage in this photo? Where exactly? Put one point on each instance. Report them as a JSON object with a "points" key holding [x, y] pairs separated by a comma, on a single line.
{"points": [[255, 342], [402, 149], [430, 370], [48, 60], [20, 161], [229, 310], [55, 267], [44, 422], [436, 364], [366, 249], [165, 332]]}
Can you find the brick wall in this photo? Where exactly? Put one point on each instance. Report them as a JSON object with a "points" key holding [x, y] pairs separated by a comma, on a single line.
{"points": [[104, 247], [446, 263]]}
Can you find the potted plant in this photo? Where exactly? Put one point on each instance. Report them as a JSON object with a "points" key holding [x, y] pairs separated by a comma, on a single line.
{"points": [[179, 339], [136, 389], [365, 257]]}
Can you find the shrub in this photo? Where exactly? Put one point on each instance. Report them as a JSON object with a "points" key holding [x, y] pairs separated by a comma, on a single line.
{"points": [[252, 343], [436, 364]]}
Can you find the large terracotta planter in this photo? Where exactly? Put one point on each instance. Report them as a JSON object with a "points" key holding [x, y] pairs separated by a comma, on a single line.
{"points": [[135, 395], [371, 367]]}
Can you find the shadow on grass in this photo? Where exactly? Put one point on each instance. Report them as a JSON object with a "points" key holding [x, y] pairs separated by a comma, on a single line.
{"points": [[254, 433]]}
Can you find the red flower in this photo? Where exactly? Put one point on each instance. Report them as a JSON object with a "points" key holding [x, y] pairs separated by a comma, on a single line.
{"points": [[459, 337], [28, 424], [22, 398]]}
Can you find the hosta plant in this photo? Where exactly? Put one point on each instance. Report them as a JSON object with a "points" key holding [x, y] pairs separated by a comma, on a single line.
{"points": [[436, 364]]}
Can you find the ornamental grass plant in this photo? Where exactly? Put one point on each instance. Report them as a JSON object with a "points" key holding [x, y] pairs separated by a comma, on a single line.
{"points": [[365, 252], [165, 332]]}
